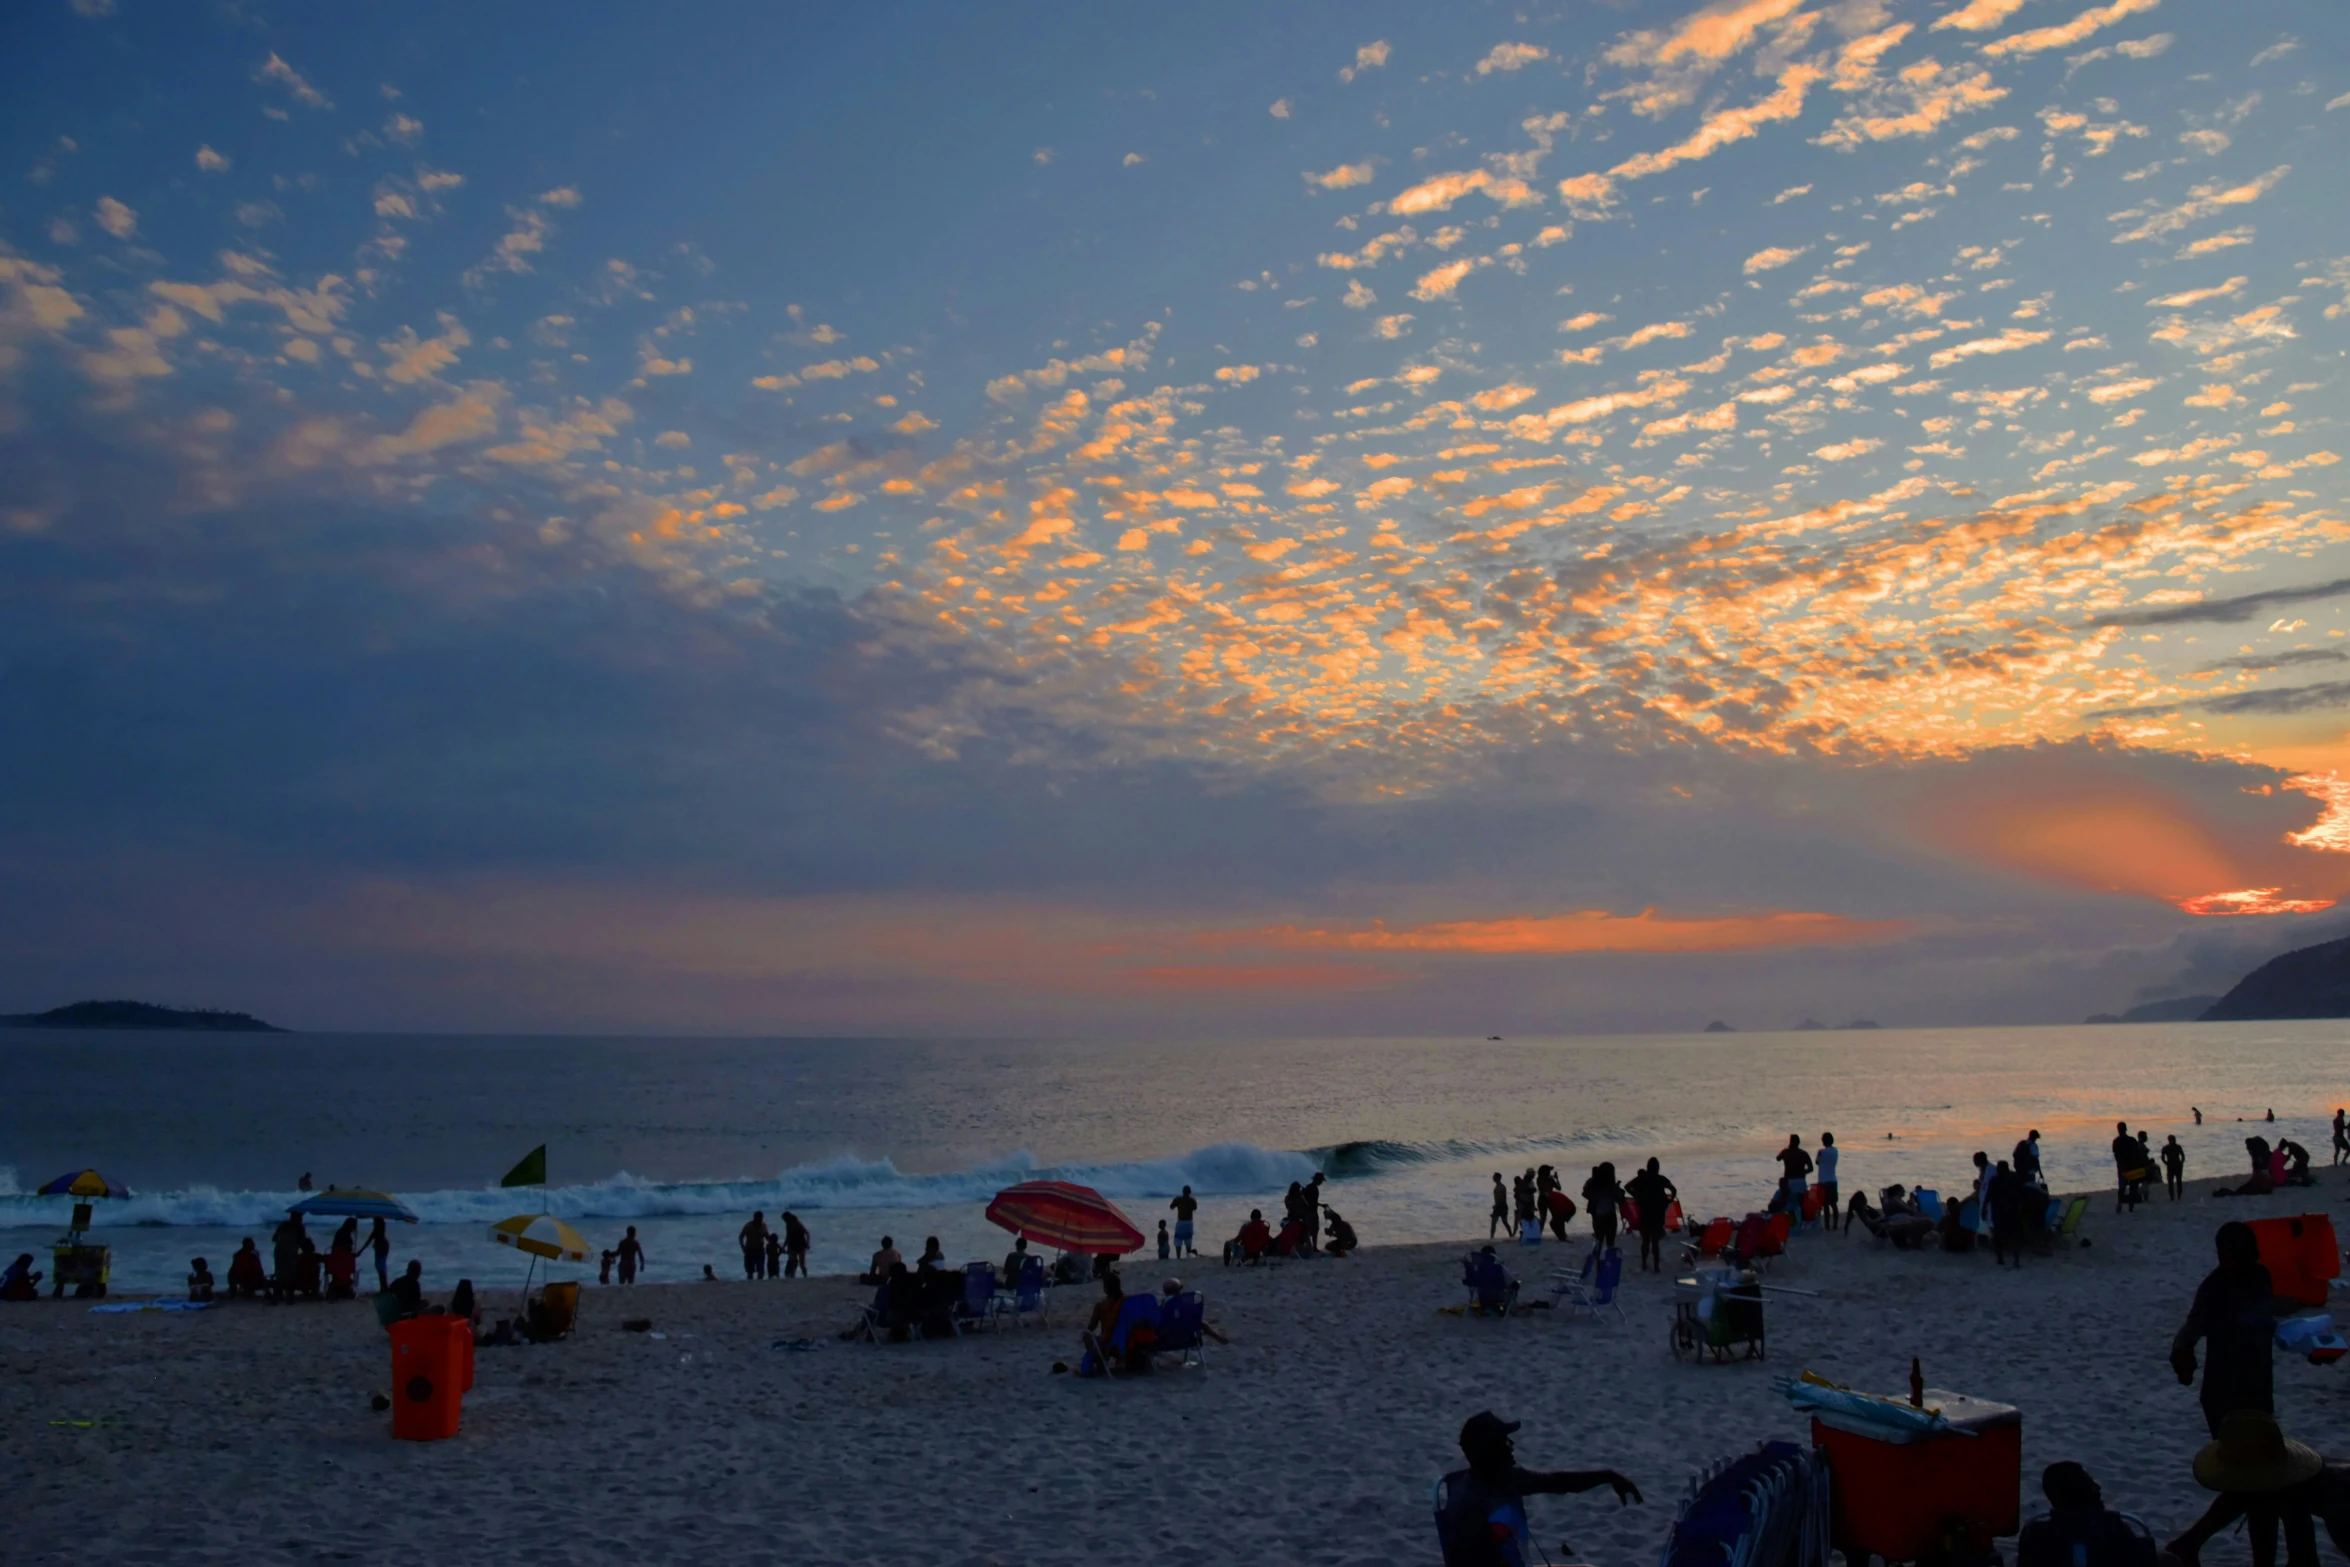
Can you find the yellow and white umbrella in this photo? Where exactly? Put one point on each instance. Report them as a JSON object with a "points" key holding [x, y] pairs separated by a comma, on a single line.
{"points": [[542, 1235]]}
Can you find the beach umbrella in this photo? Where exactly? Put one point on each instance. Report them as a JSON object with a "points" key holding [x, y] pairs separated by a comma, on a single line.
{"points": [[542, 1235], [336, 1203], [1073, 1218], [84, 1183]]}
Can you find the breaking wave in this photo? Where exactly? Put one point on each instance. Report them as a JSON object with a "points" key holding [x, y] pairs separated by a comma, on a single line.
{"points": [[843, 1183]]}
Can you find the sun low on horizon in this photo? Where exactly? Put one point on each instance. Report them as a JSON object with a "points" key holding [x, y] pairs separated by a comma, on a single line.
{"points": [[1365, 519]]}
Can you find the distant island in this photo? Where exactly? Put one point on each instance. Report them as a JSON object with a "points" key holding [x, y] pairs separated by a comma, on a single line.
{"points": [[1810, 1025], [1863, 1022], [2306, 982], [140, 1014], [2178, 1009], [1717, 1026]]}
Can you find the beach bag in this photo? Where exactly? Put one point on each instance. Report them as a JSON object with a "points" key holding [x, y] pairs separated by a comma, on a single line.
{"points": [[1673, 1219]]}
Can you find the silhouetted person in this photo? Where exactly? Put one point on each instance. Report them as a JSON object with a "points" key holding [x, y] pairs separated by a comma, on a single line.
{"points": [[1652, 1195], [2080, 1530], [1501, 1208], [1481, 1518], [2174, 1169]]}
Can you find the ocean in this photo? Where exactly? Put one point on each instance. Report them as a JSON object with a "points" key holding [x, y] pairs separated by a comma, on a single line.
{"points": [[684, 1138]]}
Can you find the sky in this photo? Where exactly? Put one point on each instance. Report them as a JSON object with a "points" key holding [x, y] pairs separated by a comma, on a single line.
{"points": [[1147, 522]]}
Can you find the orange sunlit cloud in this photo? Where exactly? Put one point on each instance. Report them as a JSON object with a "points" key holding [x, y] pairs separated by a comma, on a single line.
{"points": [[2253, 900], [2142, 844], [1310, 977], [1587, 930]]}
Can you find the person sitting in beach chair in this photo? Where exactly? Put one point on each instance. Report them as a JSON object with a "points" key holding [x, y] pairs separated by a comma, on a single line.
{"points": [[1291, 1242], [1491, 1288], [2079, 1529], [1481, 1510], [22, 1281], [883, 1315], [977, 1303], [342, 1274], [1707, 1242], [886, 1259], [1249, 1245], [1183, 1324], [407, 1293], [309, 1270], [554, 1313], [245, 1273], [1023, 1294]]}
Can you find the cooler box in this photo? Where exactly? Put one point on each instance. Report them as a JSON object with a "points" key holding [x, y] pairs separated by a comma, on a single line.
{"points": [[1892, 1494], [428, 1378], [2301, 1255]]}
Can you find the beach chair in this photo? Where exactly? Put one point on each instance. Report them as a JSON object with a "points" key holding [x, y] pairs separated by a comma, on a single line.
{"points": [[1760, 1239], [1593, 1290], [555, 1312], [2074, 1211], [1181, 1318], [978, 1303], [1289, 1243], [1709, 1242], [1133, 1338], [1929, 1202], [1026, 1296]]}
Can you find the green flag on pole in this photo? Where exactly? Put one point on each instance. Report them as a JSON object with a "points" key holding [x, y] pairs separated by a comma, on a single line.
{"points": [[532, 1171]]}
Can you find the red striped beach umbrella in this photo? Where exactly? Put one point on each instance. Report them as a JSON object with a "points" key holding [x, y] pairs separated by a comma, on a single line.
{"points": [[1073, 1218]]}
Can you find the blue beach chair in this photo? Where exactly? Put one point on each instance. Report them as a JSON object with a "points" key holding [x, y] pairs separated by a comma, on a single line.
{"points": [[1594, 1289], [978, 1303], [1180, 1320], [1929, 1203], [1025, 1298]]}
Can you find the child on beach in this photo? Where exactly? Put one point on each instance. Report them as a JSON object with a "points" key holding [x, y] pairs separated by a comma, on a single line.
{"points": [[604, 1268], [199, 1280], [774, 1255], [1166, 1246]]}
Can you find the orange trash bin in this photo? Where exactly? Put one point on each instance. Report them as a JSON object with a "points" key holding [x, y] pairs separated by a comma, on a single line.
{"points": [[428, 1378], [1893, 1495]]}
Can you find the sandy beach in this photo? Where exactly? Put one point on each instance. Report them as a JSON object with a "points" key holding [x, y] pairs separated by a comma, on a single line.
{"points": [[245, 1433]]}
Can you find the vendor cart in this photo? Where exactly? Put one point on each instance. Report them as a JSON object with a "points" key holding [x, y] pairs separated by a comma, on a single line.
{"points": [[74, 1260], [1718, 1313], [77, 1263]]}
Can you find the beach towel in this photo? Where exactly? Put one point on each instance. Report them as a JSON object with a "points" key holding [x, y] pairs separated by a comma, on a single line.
{"points": [[117, 1307]]}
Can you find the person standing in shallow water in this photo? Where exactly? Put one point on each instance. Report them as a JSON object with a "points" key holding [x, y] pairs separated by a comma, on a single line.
{"points": [[1501, 1208], [2341, 1135], [2174, 1169]]}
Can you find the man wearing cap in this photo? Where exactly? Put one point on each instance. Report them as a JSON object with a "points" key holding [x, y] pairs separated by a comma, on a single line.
{"points": [[1481, 1511]]}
